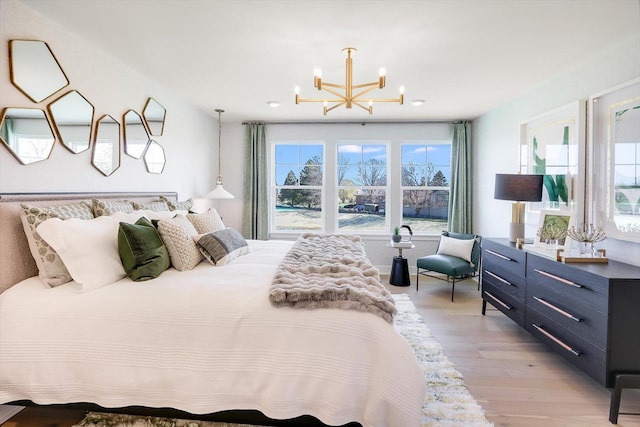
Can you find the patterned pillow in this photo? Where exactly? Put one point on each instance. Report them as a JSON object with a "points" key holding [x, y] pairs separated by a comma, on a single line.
{"points": [[174, 205], [108, 207], [177, 234], [151, 206], [222, 246], [51, 269], [206, 222]]}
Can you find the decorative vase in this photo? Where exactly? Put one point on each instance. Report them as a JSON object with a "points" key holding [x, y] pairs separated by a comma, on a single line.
{"points": [[586, 248], [396, 238]]}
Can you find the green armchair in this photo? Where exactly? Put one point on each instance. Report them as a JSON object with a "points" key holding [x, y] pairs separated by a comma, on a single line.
{"points": [[457, 257]]}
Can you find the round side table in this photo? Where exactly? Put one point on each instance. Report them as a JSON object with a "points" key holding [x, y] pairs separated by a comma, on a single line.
{"points": [[400, 268]]}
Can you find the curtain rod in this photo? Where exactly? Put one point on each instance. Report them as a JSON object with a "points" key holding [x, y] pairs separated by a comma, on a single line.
{"points": [[360, 122]]}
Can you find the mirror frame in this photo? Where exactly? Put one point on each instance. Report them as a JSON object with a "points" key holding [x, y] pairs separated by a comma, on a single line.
{"points": [[153, 144], [13, 76], [148, 120], [6, 143], [57, 128], [95, 144], [124, 133]]}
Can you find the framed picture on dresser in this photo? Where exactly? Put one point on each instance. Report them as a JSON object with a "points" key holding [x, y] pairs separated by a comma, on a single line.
{"points": [[552, 229]]}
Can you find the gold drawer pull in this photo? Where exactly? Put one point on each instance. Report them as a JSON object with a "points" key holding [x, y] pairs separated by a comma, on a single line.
{"points": [[506, 258], [556, 340], [507, 307], [557, 309], [495, 276], [559, 279]]}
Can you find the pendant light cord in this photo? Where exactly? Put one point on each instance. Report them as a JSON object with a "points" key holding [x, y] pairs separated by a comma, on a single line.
{"points": [[219, 111]]}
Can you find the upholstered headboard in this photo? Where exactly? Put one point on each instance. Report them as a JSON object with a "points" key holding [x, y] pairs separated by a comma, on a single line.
{"points": [[16, 262]]}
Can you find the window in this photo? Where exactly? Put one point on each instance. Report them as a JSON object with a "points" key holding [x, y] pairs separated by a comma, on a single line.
{"points": [[362, 186], [298, 186], [426, 173], [346, 178]]}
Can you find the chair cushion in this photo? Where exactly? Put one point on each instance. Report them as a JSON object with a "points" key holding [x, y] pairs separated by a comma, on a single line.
{"points": [[446, 264]]}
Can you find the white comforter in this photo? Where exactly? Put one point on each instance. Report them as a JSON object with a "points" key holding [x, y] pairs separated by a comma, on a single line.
{"points": [[205, 341]]}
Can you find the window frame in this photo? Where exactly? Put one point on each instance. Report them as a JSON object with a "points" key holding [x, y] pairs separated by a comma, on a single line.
{"points": [[274, 187], [403, 188], [330, 135], [386, 188]]}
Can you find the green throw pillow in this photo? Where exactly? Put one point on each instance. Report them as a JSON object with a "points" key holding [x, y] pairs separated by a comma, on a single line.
{"points": [[142, 251]]}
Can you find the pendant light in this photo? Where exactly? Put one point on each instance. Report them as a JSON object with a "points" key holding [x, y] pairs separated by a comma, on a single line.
{"points": [[219, 192]]}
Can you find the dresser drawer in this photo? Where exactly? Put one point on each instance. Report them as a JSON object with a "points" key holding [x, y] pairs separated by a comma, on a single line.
{"points": [[509, 261], [578, 351], [580, 319], [510, 306], [514, 286], [568, 283]]}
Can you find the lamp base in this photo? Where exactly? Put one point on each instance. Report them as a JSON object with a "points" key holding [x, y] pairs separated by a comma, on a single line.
{"points": [[516, 231]]}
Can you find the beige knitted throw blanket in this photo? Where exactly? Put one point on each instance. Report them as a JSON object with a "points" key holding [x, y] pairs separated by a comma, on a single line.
{"points": [[331, 271]]}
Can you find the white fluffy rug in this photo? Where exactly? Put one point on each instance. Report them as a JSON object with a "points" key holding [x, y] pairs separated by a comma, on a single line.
{"points": [[447, 401]]}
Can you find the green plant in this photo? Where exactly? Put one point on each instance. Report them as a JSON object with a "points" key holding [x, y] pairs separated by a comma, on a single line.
{"points": [[396, 231]]}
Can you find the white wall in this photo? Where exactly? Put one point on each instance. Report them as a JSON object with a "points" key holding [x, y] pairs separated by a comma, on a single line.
{"points": [[496, 135], [189, 139]]}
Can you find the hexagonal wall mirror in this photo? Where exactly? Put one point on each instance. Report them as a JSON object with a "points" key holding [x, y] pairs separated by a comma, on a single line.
{"points": [[106, 148], [34, 70], [27, 134], [136, 137], [72, 117], [154, 115], [154, 158]]}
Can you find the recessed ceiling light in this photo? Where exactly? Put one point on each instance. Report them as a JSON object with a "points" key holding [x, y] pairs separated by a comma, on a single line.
{"points": [[417, 102], [273, 104]]}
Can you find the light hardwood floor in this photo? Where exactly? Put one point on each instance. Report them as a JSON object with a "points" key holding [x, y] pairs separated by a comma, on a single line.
{"points": [[517, 380]]}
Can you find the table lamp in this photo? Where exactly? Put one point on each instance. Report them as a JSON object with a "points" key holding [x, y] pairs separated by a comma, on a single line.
{"points": [[518, 188]]}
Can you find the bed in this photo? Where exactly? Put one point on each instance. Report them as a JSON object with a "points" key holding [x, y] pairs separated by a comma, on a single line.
{"points": [[204, 341]]}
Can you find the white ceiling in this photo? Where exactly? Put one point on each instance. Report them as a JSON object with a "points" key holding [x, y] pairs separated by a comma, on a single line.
{"points": [[463, 57]]}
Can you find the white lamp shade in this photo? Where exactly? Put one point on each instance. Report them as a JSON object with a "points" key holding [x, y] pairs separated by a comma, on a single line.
{"points": [[219, 193]]}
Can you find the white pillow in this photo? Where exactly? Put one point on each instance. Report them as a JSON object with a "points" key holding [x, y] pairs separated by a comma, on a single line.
{"points": [[88, 247], [456, 247]]}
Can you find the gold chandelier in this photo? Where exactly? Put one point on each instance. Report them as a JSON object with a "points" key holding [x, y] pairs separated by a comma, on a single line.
{"points": [[349, 98]]}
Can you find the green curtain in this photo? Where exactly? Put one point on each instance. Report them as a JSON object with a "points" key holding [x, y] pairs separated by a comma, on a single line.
{"points": [[255, 217], [460, 220]]}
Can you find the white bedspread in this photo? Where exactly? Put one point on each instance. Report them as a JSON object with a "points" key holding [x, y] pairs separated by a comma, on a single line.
{"points": [[205, 341]]}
